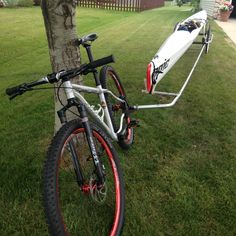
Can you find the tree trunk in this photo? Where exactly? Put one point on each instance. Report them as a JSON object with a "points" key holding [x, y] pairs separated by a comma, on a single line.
{"points": [[60, 23]]}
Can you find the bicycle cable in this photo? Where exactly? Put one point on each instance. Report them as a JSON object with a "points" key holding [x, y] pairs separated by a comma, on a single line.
{"points": [[57, 94], [59, 99]]}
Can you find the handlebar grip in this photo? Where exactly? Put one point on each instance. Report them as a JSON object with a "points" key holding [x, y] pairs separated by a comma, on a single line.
{"points": [[20, 89], [13, 90], [101, 62]]}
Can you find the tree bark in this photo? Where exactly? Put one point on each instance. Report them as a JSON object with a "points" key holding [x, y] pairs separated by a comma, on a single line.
{"points": [[60, 24]]}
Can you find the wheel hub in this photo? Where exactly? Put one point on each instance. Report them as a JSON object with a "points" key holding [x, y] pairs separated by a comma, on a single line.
{"points": [[97, 192]]}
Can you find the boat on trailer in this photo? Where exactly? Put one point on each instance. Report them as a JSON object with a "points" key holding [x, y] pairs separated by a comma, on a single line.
{"points": [[184, 35]]}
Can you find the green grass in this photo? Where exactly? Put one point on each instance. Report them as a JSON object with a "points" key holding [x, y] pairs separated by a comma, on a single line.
{"points": [[180, 174]]}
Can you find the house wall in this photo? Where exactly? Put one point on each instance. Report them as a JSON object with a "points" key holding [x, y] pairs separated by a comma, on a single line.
{"points": [[211, 6]]}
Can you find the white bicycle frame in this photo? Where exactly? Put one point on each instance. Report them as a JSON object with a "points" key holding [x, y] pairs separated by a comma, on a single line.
{"points": [[74, 90]]}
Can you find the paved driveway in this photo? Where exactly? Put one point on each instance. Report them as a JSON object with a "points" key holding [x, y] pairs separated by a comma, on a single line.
{"points": [[229, 28]]}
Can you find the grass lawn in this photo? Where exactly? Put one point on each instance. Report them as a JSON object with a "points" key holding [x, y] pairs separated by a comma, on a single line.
{"points": [[180, 175]]}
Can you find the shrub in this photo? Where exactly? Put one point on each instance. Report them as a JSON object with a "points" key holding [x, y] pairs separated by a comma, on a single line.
{"points": [[11, 3], [20, 3], [179, 3], [25, 3], [196, 5], [37, 2]]}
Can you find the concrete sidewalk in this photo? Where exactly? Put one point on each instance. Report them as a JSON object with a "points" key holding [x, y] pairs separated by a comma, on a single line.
{"points": [[229, 28]]}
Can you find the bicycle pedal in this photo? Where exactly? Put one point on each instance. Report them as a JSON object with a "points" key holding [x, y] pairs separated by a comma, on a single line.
{"points": [[134, 124]]}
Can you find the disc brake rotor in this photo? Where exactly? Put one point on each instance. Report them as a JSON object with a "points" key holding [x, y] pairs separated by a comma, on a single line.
{"points": [[97, 193]]}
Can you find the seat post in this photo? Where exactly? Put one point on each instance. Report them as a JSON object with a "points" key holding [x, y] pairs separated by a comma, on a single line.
{"points": [[89, 52], [90, 56]]}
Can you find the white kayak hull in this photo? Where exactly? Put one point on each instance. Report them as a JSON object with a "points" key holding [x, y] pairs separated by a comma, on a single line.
{"points": [[173, 48]]}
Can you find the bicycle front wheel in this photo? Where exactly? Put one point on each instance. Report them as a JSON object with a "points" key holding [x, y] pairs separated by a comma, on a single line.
{"points": [[74, 208]]}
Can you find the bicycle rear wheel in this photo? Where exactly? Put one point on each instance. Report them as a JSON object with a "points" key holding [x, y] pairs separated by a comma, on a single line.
{"points": [[110, 80], [82, 209]]}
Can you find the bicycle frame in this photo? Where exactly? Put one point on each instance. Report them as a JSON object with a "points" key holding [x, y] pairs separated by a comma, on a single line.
{"points": [[74, 90]]}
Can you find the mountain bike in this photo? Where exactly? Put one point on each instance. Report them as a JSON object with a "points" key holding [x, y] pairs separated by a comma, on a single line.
{"points": [[83, 188]]}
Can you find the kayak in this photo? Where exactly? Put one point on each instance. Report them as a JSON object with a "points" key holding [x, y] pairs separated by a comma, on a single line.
{"points": [[174, 47]]}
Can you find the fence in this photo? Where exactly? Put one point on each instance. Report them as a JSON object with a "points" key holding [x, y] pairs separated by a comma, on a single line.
{"points": [[122, 5]]}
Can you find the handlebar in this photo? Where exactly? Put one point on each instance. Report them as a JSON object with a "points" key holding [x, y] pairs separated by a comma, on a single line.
{"points": [[101, 62], [61, 75]]}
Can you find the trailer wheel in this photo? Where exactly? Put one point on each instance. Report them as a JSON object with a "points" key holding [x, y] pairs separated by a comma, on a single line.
{"points": [[207, 39]]}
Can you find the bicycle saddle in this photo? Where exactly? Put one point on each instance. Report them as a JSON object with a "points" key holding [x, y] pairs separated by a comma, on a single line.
{"points": [[88, 38]]}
